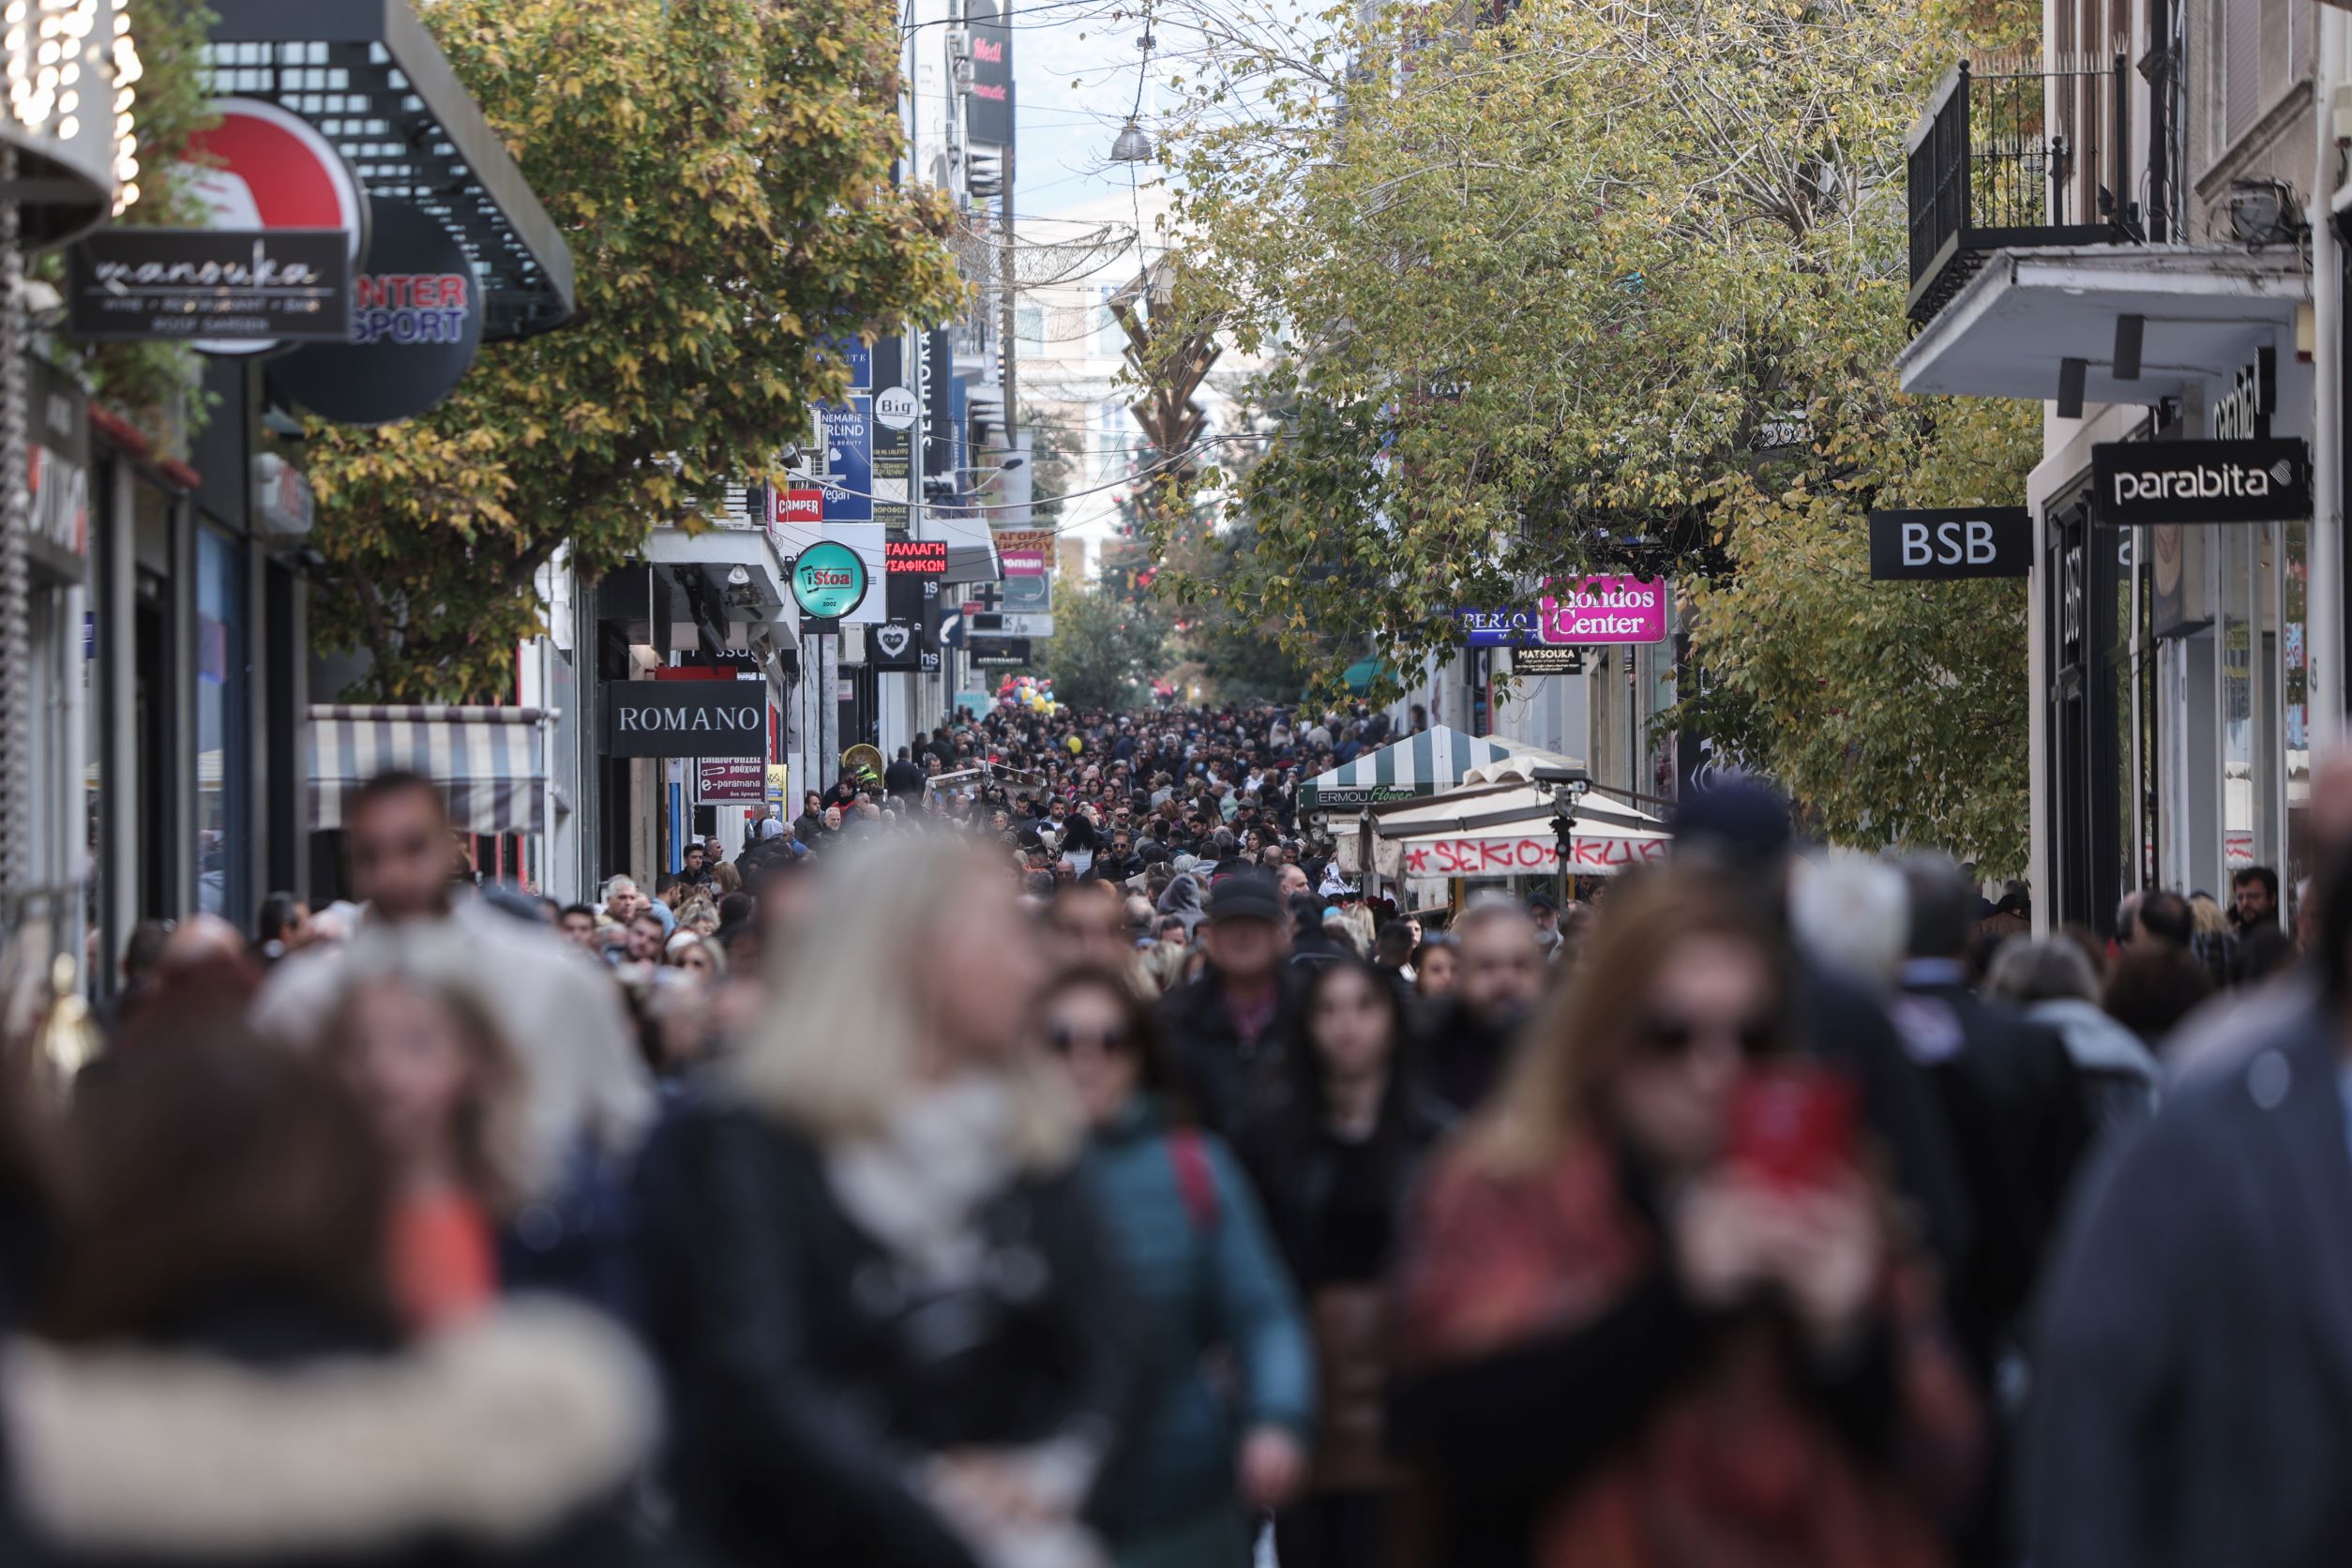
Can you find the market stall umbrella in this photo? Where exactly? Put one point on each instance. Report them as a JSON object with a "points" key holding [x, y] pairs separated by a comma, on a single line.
{"points": [[1418, 765]]}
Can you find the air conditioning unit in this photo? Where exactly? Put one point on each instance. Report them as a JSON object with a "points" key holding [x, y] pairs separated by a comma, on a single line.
{"points": [[283, 503]]}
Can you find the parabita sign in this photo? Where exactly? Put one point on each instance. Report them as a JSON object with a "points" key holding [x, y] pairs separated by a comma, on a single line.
{"points": [[684, 719]]}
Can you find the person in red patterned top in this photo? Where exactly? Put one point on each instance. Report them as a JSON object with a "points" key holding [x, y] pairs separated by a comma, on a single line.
{"points": [[1646, 1325]]}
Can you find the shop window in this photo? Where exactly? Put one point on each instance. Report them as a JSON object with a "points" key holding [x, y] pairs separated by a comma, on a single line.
{"points": [[224, 755]]}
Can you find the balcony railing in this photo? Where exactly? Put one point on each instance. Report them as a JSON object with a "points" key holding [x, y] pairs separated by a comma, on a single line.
{"points": [[2010, 158]]}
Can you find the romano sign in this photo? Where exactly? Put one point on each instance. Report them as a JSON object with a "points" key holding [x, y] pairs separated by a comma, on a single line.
{"points": [[684, 719], [2135, 482]]}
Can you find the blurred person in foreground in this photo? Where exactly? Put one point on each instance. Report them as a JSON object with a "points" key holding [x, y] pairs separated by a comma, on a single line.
{"points": [[2194, 1350], [1186, 1229], [893, 1330], [587, 1096], [1335, 1163], [222, 1378], [1656, 1310]]}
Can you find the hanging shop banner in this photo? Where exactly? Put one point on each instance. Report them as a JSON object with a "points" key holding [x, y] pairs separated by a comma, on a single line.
{"points": [[999, 653], [1614, 610], [859, 357], [259, 166], [988, 113], [2135, 482], [849, 482], [249, 289], [415, 322], [731, 780], [1026, 557], [57, 478], [684, 719], [899, 645], [1942, 546], [916, 557], [1499, 628], [1528, 855], [1544, 659], [828, 580]]}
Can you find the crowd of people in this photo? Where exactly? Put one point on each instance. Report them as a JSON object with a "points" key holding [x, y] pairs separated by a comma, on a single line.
{"points": [[1043, 1156]]}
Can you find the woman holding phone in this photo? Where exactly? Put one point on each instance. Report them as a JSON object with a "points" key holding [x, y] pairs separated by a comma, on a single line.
{"points": [[1657, 1309]]}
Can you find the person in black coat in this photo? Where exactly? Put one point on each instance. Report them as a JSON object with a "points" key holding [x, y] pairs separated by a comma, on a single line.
{"points": [[1227, 1027], [218, 1381], [1335, 1164], [1498, 975], [904, 777], [891, 1328]]}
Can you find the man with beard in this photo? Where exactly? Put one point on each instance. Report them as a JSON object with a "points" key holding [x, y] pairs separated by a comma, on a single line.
{"points": [[1498, 977]]}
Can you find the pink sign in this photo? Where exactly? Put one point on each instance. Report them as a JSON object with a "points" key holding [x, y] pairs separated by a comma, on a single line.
{"points": [[1511, 857], [1606, 609]]}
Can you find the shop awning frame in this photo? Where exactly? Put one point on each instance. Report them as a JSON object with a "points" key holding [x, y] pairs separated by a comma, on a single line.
{"points": [[369, 76], [490, 763], [1416, 767]]}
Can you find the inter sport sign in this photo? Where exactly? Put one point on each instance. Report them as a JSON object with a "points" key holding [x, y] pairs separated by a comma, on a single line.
{"points": [[2135, 482]]}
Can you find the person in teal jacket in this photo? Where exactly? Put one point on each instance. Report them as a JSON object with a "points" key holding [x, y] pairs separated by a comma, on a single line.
{"points": [[1222, 1436]]}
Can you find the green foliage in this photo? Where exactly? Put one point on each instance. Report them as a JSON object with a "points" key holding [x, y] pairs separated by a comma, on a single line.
{"points": [[721, 169], [1104, 649], [1533, 291]]}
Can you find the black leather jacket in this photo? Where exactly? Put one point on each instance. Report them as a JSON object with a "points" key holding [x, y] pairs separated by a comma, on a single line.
{"points": [[810, 1380]]}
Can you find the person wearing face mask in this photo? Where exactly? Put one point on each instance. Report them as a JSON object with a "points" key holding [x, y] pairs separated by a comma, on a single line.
{"points": [[891, 1326], [1499, 973], [1654, 1308], [1209, 1455], [1335, 1163]]}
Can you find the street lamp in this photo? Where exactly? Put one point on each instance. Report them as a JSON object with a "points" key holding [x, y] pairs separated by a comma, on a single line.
{"points": [[1569, 786], [1133, 146]]}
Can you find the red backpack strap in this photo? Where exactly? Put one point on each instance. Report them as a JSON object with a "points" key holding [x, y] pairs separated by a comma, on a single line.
{"points": [[1196, 1183]]}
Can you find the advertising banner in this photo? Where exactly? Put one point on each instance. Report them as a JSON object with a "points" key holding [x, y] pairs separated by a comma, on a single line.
{"points": [[2135, 482], [989, 114], [1574, 613], [1528, 855], [849, 481], [730, 782], [416, 321]]}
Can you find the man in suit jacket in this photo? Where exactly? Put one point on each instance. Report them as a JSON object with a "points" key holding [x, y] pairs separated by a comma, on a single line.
{"points": [[2194, 1367]]}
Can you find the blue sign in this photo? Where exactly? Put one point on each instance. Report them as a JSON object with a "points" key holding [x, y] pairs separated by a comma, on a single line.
{"points": [[1501, 628], [861, 358], [849, 483]]}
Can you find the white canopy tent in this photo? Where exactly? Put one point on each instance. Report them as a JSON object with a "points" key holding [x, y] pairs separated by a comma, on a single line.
{"points": [[1503, 830]]}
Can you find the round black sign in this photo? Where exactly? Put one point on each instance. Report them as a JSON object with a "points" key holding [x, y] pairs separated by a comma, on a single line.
{"points": [[416, 321]]}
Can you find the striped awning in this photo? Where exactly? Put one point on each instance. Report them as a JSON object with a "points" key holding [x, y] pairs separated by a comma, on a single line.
{"points": [[490, 763], [1418, 765]]}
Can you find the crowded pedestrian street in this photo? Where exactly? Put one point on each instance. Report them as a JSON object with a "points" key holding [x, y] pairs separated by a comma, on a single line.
{"points": [[1175, 784]]}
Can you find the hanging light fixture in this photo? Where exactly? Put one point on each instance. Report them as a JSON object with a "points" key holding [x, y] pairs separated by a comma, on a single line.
{"points": [[1133, 144]]}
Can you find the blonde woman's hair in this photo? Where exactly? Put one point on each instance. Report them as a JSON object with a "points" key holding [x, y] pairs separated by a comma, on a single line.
{"points": [[848, 1030]]}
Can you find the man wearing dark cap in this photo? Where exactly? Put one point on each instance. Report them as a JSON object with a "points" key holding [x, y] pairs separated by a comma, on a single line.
{"points": [[1226, 1028], [1543, 909]]}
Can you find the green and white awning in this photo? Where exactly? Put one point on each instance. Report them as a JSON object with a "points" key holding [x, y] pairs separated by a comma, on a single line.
{"points": [[490, 763], [1419, 765]]}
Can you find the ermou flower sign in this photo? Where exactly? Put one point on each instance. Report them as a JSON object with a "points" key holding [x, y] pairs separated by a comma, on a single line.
{"points": [[1575, 612]]}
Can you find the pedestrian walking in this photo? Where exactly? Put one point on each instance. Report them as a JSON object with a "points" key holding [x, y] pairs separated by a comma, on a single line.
{"points": [[893, 1332], [1335, 1163], [1498, 978], [1645, 1310], [1226, 1028], [1210, 1456]]}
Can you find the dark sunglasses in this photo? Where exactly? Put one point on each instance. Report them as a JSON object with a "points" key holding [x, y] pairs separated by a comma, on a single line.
{"points": [[1662, 1035], [1064, 1041]]}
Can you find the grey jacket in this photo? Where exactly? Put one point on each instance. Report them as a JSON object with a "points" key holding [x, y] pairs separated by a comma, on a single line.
{"points": [[2194, 1398]]}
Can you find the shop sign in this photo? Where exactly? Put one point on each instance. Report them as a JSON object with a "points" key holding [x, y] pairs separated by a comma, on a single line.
{"points": [[1528, 855], [2137, 482], [893, 466], [828, 580], [731, 780], [260, 166], [1000, 653], [849, 483], [684, 719], [2243, 412], [415, 322], [1545, 659], [915, 557], [1939, 546], [1498, 629], [58, 466], [899, 645], [894, 408], [988, 113], [1616, 610], [246, 289], [778, 782]]}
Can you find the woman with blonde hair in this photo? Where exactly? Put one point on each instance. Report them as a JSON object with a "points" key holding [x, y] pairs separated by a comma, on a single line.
{"points": [[890, 1320], [1654, 1308]]}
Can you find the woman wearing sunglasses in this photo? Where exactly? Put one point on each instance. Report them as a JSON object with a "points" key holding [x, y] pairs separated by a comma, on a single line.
{"points": [[1656, 1311], [1222, 1429]]}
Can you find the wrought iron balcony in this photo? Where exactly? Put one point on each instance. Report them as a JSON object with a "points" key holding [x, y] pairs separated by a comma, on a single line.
{"points": [[2003, 160]]}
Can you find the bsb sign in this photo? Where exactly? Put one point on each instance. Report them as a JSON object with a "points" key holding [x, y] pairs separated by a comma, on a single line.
{"points": [[1949, 546], [684, 719], [2135, 482]]}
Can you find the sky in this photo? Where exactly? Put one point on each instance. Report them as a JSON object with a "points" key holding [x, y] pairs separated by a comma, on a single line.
{"points": [[1076, 64]]}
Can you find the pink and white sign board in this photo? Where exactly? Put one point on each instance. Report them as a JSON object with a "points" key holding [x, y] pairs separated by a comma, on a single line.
{"points": [[1596, 609], [1503, 855]]}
